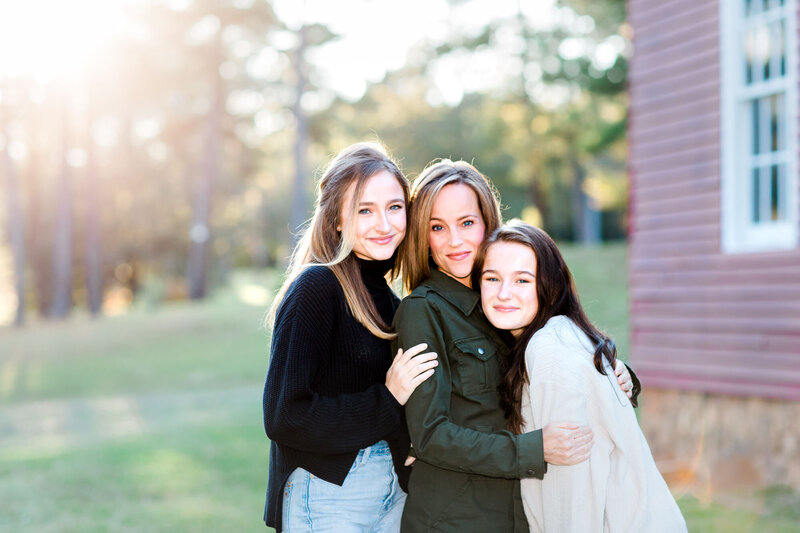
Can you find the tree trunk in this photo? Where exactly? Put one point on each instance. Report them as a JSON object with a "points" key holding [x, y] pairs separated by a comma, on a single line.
{"points": [[37, 244], [62, 243], [200, 233], [585, 218], [16, 227], [298, 214], [94, 257]]}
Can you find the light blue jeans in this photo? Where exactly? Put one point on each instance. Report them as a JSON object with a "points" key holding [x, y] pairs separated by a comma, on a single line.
{"points": [[370, 500]]}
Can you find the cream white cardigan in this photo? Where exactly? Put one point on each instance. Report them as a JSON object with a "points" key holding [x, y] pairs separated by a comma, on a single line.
{"points": [[619, 488]]}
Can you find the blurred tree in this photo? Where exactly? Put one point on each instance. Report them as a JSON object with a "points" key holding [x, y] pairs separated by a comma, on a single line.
{"points": [[93, 247], [62, 242], [301, 176], [16, 220]]}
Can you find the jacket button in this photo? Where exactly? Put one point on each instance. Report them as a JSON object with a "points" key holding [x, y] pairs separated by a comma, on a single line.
{"points": [[480, 351], [531, 473]]}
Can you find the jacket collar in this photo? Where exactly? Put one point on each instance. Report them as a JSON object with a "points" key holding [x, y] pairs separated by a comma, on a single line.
{"points": [[451, 290]]}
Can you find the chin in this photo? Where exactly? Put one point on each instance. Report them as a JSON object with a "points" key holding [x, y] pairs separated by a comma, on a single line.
{"points": [[500, 323], [380, 255]]}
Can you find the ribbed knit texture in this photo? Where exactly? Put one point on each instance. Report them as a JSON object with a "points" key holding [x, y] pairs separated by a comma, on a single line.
{"points": [[324, 396]]}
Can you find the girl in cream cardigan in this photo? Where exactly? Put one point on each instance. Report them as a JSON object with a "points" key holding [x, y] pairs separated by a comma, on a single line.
{"points": [[561, 369]]}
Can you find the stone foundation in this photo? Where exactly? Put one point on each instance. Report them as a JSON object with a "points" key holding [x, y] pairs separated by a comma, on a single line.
{"points": [[723, 442]]}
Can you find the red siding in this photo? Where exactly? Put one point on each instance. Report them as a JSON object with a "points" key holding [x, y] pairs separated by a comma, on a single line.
{"points": [[700, 319]]}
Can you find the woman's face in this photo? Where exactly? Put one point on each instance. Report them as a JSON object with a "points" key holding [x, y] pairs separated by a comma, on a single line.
{"points": [[456, 231], [508, 286], [380, 221]]}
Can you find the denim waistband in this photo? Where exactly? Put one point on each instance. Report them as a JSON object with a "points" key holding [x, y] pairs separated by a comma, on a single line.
{"points": [[379, 449]]}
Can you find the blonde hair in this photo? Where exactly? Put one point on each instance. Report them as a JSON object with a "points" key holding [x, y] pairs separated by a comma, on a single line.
{"points": [[323, 244], [415, 250]]}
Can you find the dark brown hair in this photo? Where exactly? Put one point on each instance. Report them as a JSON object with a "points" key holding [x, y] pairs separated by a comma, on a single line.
{"points": [[557, 295]]}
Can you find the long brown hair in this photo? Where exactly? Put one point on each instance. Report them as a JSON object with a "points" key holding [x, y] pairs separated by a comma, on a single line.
{"points": [[415, 250], [321, 242], [557, 295]]}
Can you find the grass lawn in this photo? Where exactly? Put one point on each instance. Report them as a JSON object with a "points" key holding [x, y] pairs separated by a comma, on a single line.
{"points": [[151, 421]]}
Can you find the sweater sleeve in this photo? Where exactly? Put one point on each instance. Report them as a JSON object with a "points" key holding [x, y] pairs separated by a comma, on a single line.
{"points": [[436, 438], [573, 497], [296, 415]]}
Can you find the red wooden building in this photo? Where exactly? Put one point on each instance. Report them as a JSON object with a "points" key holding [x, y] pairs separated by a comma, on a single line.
{"points": [[714, 234]]}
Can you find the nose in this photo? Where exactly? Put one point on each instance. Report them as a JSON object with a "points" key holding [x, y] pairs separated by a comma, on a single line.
{"points": [[505, 291], [455, 239], [382, 225]]}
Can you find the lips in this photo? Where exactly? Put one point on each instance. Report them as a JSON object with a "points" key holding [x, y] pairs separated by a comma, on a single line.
{"points": [[382, 241], [505, 309], [458, 256]]}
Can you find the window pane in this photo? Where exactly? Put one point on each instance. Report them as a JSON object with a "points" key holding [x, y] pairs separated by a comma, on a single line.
{"points": [[756, 122], [773, 123], [749, 55], [778, 125], [775, 49], [774, 200], [765, 34], [782, 43], [760, 46], [765, 129], [756, 188]]}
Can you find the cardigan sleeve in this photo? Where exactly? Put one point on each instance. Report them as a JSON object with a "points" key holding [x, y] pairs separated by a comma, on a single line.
{"points": [[436, 438], [296, 415], [573, 497]]}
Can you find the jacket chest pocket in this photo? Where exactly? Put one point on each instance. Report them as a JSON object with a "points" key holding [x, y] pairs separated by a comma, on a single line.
{"points": [[478, 366]]}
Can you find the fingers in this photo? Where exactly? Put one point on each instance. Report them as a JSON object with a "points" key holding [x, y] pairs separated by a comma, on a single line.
{"points": [[619, 367], [414, 350], [409, 369], [565, 425], [409, 362], [566, 443], [410, 460], [579, 454], [419, 378]]}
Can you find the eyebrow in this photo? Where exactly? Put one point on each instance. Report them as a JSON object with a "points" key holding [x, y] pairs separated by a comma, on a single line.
{"points": [[528, 272], [459, 218], [392, 201]]}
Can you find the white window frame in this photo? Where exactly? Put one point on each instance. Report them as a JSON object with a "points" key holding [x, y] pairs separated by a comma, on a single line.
{"points": [[739, 233]]}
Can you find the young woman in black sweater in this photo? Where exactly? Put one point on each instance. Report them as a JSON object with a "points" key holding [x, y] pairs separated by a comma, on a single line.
{"points": [[334, 395]]}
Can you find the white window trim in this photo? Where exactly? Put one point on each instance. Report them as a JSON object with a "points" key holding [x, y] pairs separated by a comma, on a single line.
{"points": [[739, 234]]}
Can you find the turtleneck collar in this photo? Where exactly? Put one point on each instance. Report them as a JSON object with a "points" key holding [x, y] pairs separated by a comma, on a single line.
{"points": [[374, 272]]}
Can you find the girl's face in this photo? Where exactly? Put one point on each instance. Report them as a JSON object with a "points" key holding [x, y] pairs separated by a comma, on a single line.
{"points": [[508, 286], [380, 222], [456, 231]]}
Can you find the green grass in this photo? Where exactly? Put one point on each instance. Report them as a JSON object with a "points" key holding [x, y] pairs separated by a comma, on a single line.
{"points": [[151, 422], [601, 277], [774, 510]]}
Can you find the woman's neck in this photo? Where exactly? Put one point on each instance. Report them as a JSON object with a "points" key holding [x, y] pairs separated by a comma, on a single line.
{"points": [[467, 281]]}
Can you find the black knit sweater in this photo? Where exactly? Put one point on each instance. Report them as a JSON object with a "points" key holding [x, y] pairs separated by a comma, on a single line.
{"points": [[324, 396]]}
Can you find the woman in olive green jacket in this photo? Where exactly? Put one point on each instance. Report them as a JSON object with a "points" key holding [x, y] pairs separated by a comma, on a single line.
{"points": [[466, 477]]}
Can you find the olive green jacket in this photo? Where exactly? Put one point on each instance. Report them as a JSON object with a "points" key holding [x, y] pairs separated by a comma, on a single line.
{"points": [[466, 476]]}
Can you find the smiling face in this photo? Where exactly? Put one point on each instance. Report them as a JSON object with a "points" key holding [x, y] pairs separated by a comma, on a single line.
{"points": [[380, 220], [508, 286], [456, 231]]}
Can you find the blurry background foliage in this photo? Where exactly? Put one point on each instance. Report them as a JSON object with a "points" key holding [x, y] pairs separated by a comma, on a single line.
{"points": [[148, 148]]}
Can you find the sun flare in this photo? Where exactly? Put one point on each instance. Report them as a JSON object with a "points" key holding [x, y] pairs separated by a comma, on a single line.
{"points": [[51, 39]]}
